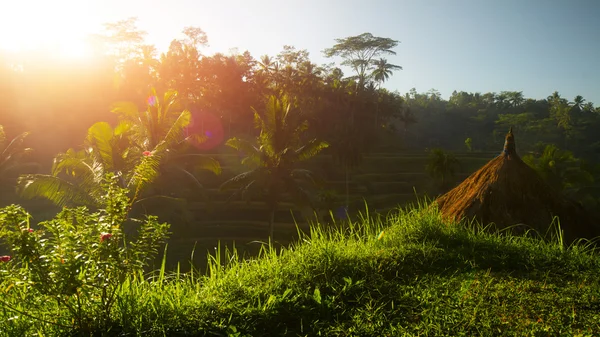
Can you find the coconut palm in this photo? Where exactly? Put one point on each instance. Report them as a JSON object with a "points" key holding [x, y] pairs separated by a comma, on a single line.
{"points": [[383, 70], [579, 102], [143, 145], [161, 131], [273, 158]]}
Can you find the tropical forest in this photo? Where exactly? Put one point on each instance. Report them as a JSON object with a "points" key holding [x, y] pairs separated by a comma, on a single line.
{"points": [[179, 192]]}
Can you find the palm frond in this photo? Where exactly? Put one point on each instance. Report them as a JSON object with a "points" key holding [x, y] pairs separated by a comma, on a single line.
{"points": [[175, 131], [311, 149], [74, 163], [198, 138], [191, 177], [123, 127], [145, 172], [169, 101], [127, 110], [258, 121], [55, 189], [244, 146], [100, 137], [241, 180], [13, 151]]}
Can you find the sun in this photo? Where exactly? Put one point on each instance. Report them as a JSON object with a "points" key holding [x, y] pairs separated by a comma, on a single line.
{"points": [[57, 27]]}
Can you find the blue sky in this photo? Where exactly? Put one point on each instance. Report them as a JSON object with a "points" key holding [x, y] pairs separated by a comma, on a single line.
{"points": [[534, 46]]}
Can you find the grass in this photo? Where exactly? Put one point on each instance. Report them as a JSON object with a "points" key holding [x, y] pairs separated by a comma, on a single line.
{"points": [[406, 275]]}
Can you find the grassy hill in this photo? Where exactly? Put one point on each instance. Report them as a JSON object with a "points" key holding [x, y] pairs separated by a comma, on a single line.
{"points": [[407, 275]]}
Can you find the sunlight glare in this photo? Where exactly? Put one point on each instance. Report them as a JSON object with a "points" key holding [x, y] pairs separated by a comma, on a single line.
{"points": [[59, 27]]}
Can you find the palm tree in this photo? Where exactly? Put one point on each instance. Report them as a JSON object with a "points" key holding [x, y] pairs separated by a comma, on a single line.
{"points": [[382, 72], [76, 177], [267, 70], [143, 145], [273, 157], [579, 102], [160, 126], [161, 131], [515, 98]]}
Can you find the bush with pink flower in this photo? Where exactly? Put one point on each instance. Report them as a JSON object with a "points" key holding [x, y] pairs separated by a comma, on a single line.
{"points": [[79, 259]]}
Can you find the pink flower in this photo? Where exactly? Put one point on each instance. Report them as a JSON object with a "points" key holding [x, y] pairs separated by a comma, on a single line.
{"points": [[105, 236], [152, 100], [4, 258], [147, 153], [28, 230]]}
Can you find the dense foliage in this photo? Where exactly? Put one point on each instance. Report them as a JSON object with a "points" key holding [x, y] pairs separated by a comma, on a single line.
{"points": [[129, 126]]}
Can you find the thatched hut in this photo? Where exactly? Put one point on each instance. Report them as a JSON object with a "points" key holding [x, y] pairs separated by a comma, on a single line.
{"points": [[507, 191]]}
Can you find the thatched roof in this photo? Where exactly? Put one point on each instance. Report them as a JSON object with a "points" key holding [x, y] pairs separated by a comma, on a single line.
{"points": [[507, 191]]}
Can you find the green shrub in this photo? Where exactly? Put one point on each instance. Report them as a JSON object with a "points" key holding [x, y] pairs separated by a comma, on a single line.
{"points": [[76, 261]]}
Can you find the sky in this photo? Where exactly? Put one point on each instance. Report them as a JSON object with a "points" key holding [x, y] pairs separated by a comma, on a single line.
{"points": [[534, 46]]}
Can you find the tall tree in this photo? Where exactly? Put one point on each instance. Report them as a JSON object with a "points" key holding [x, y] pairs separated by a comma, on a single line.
{"points": [[122, 39], [180, 67], [359, 53]]}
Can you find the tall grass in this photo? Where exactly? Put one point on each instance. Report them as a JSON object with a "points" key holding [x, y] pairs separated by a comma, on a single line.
{"points": [[404, 273]]}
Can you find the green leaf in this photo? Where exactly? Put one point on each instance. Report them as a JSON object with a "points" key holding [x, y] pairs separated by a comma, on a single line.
{"points": [[57, 190], [242, 179], [311, 149], [317, 295], [99, 138], [244, 146]]}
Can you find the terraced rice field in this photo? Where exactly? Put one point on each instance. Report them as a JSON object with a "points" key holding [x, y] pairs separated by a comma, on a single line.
{"points": [[383, 181]]}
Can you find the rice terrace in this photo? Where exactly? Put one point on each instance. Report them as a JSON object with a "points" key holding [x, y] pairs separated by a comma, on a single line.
{"points": [[155, 184]]}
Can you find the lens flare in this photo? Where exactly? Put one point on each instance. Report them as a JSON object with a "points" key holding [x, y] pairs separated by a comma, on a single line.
{"points": [[209, 125]]}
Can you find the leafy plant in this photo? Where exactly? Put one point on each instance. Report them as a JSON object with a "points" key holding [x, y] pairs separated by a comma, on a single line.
{"points": [[560, 169], [469, 144], [141, 147], [79, 259], [442, 167], [76, 176]]}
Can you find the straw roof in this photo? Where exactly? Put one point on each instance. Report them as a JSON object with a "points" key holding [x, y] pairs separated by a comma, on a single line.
{"points": [[506, 191]]}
